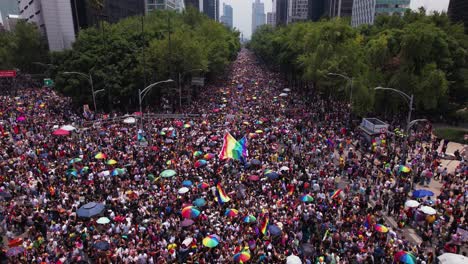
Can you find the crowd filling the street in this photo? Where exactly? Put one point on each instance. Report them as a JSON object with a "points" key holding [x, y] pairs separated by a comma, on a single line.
{"points": [[258, 175]]}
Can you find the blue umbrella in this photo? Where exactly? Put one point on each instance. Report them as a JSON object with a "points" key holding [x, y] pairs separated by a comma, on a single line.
{"points": [[199, 202], [90, 209], [102, 245], [255, 162], [274, 230], [187, 183], [272, 175], [422, 193]]}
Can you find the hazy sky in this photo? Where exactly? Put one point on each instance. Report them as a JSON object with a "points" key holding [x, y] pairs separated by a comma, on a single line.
{"points": [[242, 10]]}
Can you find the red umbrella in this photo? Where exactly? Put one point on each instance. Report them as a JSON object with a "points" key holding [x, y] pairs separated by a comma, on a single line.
{"points": [[119, 218], [254, 178], [15, 242], [61, 132]]}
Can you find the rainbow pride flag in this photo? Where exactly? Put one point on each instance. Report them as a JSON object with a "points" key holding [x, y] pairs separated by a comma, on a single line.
{"points": [[232, 149], [222, 196], [264, 226]]}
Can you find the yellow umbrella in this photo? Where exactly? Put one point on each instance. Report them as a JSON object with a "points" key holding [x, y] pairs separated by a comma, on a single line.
{"points": [[111, 162]]}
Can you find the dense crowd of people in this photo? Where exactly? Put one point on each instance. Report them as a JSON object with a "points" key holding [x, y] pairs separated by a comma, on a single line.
{"points": [[305, 189]]}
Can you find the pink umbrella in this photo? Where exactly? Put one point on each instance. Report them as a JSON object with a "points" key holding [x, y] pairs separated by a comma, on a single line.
{"points": [[61, 132], [21, 119]]}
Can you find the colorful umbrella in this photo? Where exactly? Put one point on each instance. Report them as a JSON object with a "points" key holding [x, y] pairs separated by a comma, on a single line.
{"points": [[259, 131], [187, 126], [254, 178], [111, 162], [380, 228], [100, 155], [187, 222], [404, 169], [187, 183], [210, 241], [405, 257], [190, 212], [118, 171], [307, 198], [242, 257], [75, 160], [103, 220], [250, 219], [209, 156], [336, 193], [73, 172], [61, 132], [200, 163], [422, 193], [14, 251], [197, 153], [168, 173], [199, 202], [231, 212], [203, 185]]}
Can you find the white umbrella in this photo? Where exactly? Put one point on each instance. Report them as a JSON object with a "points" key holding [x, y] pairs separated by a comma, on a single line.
{"points": [[103, 220], [411, 203], [450, 258], [283, 94], [293, 260], [187, 241], [183, 190], [129, 120], [428, 210], [68, 128], [284, 168], [286, 90]]}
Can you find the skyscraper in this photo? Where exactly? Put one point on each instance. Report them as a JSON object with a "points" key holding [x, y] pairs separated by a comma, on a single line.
{"points": [[339, 8], [258, 15], [297, 10], [316, 9], [226, 18], [281, 13], [193, 3], [458, 12], [8, 7], [151, 5], [365, 11], [271, 19], [211, 9]]}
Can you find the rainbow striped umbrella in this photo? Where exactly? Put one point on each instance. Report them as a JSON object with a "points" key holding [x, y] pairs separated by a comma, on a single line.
{"points": [[231, 212], [250, 219], [111, 162], [211, 241], [197, 153], [404, 169], [380, 228], [203, 185], [336, 193], [209, 156], [200, 163], [405, 257], [187, 126], [242, 256], [190, 212], [100, 155], [307, 198]]}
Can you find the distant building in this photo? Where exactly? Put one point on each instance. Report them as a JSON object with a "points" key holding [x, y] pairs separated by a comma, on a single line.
{"points": [[458, 12], [226, 18], [271, 19], [211, 9], [281, 14], [8, 7], [339, 8], [59, 21], [258, 15], [365, 11], [297, 10], [316, 9], [151, 5], [194, 3]]}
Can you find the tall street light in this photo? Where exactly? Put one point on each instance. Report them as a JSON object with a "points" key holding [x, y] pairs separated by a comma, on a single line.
{"points": [[181, 75], [350, 80], [142, 94], [90, 79]]}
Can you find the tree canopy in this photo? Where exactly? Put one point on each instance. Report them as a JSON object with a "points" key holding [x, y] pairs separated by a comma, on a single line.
{"points": [[424, 55], [125, 56]]}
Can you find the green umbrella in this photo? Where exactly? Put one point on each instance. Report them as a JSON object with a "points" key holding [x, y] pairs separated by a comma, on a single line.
{"points": [[168, 173], [151, 177]]}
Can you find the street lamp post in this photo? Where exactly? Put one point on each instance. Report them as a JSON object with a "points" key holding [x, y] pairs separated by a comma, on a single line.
{"points": [[350, 80], [90, 79], [142, 94], [181, 75]]}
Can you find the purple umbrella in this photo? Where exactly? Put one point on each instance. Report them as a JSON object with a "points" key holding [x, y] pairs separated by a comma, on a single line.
{"points": [[187, 222], [14, 251]]}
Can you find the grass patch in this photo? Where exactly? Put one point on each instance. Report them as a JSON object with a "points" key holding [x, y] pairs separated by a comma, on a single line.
{"points": [[452, 134]]}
